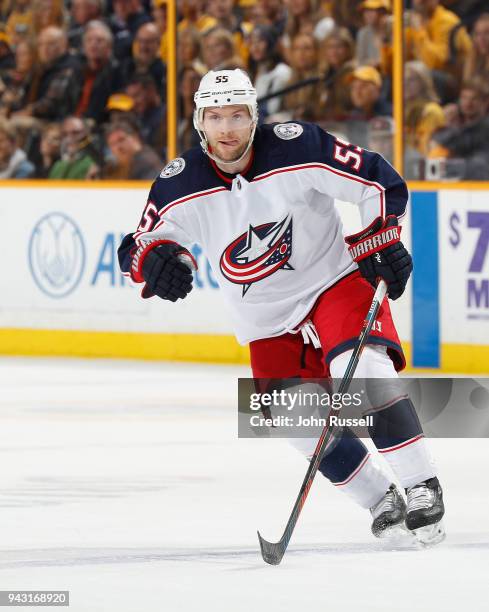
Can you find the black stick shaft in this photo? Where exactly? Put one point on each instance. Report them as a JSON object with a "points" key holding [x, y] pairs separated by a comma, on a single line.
{"points": [[273, 552]]}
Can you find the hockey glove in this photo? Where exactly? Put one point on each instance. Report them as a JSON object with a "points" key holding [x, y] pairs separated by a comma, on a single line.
{"points": [[379, 252], [165, 267]]}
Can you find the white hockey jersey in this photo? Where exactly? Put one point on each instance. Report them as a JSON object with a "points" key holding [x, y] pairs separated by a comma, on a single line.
{"points": [[272, 234]]}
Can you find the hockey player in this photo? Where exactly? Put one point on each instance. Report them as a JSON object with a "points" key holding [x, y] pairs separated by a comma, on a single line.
{"points": [[260, 202]]}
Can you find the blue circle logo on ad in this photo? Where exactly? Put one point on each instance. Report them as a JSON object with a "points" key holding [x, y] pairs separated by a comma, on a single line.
{"points": [[56, 254]]}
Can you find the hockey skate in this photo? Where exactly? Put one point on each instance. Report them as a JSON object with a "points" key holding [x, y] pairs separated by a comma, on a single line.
{"points": [[425, 510], [389, 515]]}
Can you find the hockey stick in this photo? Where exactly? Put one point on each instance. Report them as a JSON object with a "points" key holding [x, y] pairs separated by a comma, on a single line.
{"points": [[272, 552]]}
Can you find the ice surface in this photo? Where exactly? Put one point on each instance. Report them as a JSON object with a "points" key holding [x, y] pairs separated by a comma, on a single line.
{"points": [[125, 484]]}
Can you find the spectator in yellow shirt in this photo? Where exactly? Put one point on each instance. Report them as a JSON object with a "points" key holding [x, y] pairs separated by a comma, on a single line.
{"points": [[193, 15], [431, 32]]}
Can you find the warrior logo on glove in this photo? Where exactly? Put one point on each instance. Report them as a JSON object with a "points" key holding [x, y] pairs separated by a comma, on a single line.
{"points": [[375, 243], [379, 253]]}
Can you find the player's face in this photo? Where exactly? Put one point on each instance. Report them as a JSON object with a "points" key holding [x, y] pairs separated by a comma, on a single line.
{"points": [[228, 130]]}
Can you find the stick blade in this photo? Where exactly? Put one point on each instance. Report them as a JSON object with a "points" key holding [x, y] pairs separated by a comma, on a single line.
{"points": [[272, 552]]}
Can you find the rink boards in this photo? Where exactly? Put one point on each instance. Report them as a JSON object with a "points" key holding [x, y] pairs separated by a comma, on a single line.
{"points": [[62, 292]]}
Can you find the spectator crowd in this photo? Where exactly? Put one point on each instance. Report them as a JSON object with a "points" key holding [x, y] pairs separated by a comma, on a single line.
{"points": [[83, 83]]}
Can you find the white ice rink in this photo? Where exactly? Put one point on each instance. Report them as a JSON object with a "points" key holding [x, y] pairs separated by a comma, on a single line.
{"points": [[125, 483]]}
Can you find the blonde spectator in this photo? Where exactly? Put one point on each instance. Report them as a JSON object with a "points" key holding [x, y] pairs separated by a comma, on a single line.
{"points": [[303, 103], [337, 59], [373, 40], [189, 48], [13, 161], [423, 114], [305, 17], [477, 65], [266, 70], [432, 30], [219, 50], [223, 13]]}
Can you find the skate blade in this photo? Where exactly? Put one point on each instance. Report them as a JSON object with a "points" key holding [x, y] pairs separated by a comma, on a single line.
{"points": [[394, 533], [430, 535]]}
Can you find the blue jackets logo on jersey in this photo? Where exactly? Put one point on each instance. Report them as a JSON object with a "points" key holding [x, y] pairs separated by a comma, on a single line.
{"points": [[258, 253]]}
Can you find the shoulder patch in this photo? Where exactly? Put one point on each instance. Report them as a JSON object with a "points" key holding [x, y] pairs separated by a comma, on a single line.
{"points": [[172, 168], [287, 131]]}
